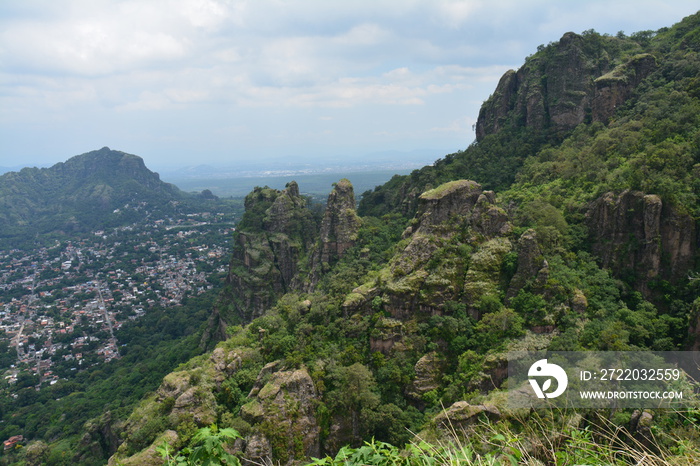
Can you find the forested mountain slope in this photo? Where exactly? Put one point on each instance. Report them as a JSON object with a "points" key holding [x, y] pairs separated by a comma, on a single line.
{"points": [[90, 191], [570, 224]]}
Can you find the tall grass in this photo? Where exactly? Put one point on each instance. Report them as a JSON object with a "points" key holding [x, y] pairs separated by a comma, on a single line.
{"points": [[547, 439]]}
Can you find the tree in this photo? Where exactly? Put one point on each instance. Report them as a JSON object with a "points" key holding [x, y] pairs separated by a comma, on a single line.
{"points": [[355, 394]]}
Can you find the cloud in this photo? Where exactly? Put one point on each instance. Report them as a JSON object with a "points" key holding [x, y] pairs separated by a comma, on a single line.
{"points": [[366, 34], [338, 71], [456, 12], [87, 47]]}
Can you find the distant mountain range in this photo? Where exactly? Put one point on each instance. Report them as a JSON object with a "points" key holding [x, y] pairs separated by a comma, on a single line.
{"points": [[91, 190]]}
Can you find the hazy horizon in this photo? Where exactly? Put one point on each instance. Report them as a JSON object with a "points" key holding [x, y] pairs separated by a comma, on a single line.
{"points": [[415, 158], [233, 82]]}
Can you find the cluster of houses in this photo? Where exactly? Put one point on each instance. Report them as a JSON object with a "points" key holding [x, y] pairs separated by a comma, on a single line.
{"points": [[63, 304]]}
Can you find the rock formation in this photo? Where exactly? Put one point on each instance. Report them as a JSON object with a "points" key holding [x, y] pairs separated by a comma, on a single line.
{"points": [[283, 413], [428, 370], [453, 215], [638, 236], [462, 414], [340, 222], [614, 88], [532, 266], [554, 88], [338, 233], [275, 232]]}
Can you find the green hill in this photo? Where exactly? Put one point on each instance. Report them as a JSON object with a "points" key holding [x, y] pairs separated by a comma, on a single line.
{"points": [[94, 190]]}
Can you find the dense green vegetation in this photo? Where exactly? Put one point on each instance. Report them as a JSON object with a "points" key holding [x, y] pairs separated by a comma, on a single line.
{"points": [[97, 190], [81, 415], [418, 314], [411, 324], [651, 143]]}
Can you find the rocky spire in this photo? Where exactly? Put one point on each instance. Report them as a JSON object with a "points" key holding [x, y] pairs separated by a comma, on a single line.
{"points": [[340, 222]]}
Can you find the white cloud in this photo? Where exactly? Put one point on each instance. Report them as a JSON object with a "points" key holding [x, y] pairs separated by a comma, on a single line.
{"points": [[203, 13], [341, 71], [88, 47], [366, 34], [454, 13]]}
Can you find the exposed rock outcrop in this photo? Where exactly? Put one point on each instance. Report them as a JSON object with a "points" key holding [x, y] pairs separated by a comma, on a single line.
{"points": [[614, 88], [339, 229], [283, 413], [340, 222], [412, 285], [149, 456], [276, 230], [462, 414], [429, 370], [532, 266], [488, 219], [554, 89], [454, 200], [101, 436], [387, 332], [456, 220], [641, 425], [641, 238]]}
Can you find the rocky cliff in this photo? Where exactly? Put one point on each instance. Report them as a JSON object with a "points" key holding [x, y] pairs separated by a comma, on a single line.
{"points": [[642, 239], [338, 232], [343, 349], [457, 222], [275, 233], [280, 247], [340, 222], [283, 412], [573, 81]]}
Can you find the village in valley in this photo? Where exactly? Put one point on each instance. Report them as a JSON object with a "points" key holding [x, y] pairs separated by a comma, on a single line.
{"points": [[61, 304]]}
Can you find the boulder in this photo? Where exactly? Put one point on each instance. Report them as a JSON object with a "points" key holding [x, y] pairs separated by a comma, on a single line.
{"points": [[462, 414], [283, 415], [428, 370]]}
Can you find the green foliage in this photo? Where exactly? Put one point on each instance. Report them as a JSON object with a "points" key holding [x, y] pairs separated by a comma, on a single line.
{"points": [[64, 410], [206, 449], [496, 328], [419, 453], [492, 162], [80, 194]]}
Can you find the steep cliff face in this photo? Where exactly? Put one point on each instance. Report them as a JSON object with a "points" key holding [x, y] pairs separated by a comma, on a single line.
{"points": [[453, 251], [338, 233], [638, 236], [614, 88], [283, 412], [276, 231], [280, 247], [340, 222], [573, 81]]}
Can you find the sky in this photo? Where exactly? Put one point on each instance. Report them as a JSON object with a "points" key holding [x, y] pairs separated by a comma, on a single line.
{"points": [[189, 82]]}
